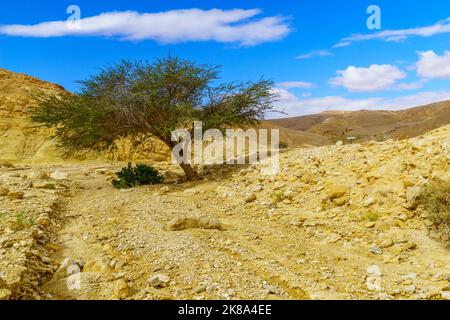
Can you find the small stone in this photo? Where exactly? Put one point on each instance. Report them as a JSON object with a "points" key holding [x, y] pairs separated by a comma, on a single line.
{"points": [[183, 223], [5, 294], [410, 289], [250, 198], [121, 289], [3, 191], [369, 201], [271, 289], [200, 288], [37, 174], [410, 245], [386, 243], [445, 295], [58, 175], [159, 281], [100, 265], [337, 191], [376, 250], [16, 195], [43, 221], [370, 224]]}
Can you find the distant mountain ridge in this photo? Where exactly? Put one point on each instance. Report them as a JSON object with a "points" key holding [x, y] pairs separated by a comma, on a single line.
{"points": [[369, 124]]}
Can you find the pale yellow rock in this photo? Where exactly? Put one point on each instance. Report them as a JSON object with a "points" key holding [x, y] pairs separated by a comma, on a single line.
{"points": [[183, 223], [100, 265], [16, 195], [337, 191], [121, 289], [3, 191]]}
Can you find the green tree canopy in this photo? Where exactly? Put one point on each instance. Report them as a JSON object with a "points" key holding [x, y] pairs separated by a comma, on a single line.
{"points": [[151, 100]]}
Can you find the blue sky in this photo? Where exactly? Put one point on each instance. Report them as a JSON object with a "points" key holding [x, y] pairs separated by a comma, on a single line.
{"points": [[405, 64]]}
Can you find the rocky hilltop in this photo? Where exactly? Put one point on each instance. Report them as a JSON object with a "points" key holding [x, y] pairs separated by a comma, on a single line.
{"points": [[338, 222]]}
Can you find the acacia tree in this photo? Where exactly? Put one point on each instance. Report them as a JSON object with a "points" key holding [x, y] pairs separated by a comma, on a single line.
{"points": [[144, 101]]}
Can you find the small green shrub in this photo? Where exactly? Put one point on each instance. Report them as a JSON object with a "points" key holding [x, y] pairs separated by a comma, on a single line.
{"points": [[20, 220], [372, 215], [142, 174], [283, 145], [435, 200], [277, 196]]}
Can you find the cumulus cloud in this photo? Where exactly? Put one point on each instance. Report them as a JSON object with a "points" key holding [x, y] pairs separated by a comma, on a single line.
{"points": [[295, 106], [295, 84], [431, 65], [175, 26], [440, 27], [312, 54], [374, 78]]}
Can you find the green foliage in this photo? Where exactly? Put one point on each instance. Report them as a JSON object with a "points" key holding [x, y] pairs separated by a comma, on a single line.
{"points": [[141, 101], [372, 215], [20, 220], [277, 196], [435, 200], [142, 174], [283, 145]]}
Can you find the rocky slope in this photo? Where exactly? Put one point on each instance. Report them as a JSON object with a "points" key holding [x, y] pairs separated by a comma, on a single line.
{"points": [[337, 222]]}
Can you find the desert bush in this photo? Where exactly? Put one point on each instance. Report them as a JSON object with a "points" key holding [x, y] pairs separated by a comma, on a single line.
{"points": [[277, 196], [372, 215], [142, 174], [283, 145], [435, 200]]}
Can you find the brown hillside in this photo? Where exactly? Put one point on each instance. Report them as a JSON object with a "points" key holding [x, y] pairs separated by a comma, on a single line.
{"points": [[372, 124]]}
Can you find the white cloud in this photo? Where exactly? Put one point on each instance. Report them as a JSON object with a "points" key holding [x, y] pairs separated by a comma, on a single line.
{"points": [[376, 77], [312, 54], [295, 84], [431, 65], [176, 26], [412, 85], [295, 106], [440, 27]]}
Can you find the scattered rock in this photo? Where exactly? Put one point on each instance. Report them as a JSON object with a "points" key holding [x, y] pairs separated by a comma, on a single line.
{"points": [[59, 175], [3, 191], [376, 250], [445, 295], [369, 201], [183, 223], [370, 224], [100, 265], [250, 198], [412, 195], [373, 280], [120, 288], [16, 195], [159, 281], [43, 221], [200, 288], [386, 243], [5, 294], [337, 191]]}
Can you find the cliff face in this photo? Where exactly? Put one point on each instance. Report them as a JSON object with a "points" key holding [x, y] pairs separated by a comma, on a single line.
{"points": [[19, 139], [22, 141]]}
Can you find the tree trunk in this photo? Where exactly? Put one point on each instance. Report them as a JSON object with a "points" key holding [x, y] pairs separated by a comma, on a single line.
{"points": [[189, 171]]}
